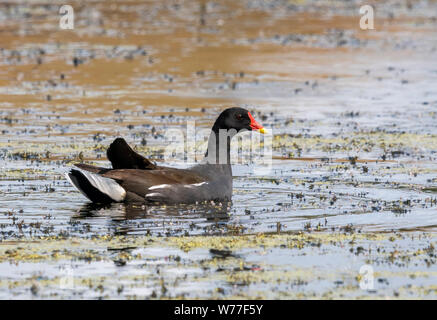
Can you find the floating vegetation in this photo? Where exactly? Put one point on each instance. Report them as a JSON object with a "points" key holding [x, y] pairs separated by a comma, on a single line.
{"points": [[353, 178]]}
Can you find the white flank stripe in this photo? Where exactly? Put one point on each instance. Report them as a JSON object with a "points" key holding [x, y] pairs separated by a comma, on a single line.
{"points": [[195, 185], [159, 186], [155, 194], [199, 184]]}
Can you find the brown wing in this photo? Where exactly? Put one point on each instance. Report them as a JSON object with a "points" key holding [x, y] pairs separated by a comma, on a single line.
{"points": [[139, 181]]}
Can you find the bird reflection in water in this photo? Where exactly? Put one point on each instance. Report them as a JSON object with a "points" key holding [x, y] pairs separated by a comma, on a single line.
{"points": [[168, 220]]}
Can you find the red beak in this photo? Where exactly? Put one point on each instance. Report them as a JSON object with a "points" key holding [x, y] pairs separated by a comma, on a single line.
{"points": [[255, 125]]}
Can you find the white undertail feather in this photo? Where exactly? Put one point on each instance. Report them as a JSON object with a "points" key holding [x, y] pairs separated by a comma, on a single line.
{"points": [[105, 185]]}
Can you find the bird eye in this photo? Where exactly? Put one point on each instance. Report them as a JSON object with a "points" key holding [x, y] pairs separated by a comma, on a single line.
{"points": [[239, 116]]}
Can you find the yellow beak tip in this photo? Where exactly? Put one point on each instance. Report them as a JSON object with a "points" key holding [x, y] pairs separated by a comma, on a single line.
{"points": [[262, 130]]}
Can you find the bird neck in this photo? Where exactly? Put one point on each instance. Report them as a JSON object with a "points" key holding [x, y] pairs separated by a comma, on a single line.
{"points": [[219, 146]]}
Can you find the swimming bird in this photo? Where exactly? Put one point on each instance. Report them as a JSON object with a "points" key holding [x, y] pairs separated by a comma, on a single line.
{"points": [[134, 178]]}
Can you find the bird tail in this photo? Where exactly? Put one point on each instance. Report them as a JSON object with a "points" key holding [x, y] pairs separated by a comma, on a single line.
{"points": [[95, 187]]}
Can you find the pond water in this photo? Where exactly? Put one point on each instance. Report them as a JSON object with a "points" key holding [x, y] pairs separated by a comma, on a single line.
{"points": [[353, 179]]}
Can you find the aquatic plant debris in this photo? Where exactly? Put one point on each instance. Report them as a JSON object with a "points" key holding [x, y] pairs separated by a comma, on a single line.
{"points": [[265, 264]]}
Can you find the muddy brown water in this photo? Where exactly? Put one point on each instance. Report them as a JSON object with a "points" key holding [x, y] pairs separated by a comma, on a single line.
{"points": [[353, 176]]}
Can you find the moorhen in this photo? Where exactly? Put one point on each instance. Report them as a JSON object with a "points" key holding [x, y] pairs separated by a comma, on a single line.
{"points": [[133, 178]]}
